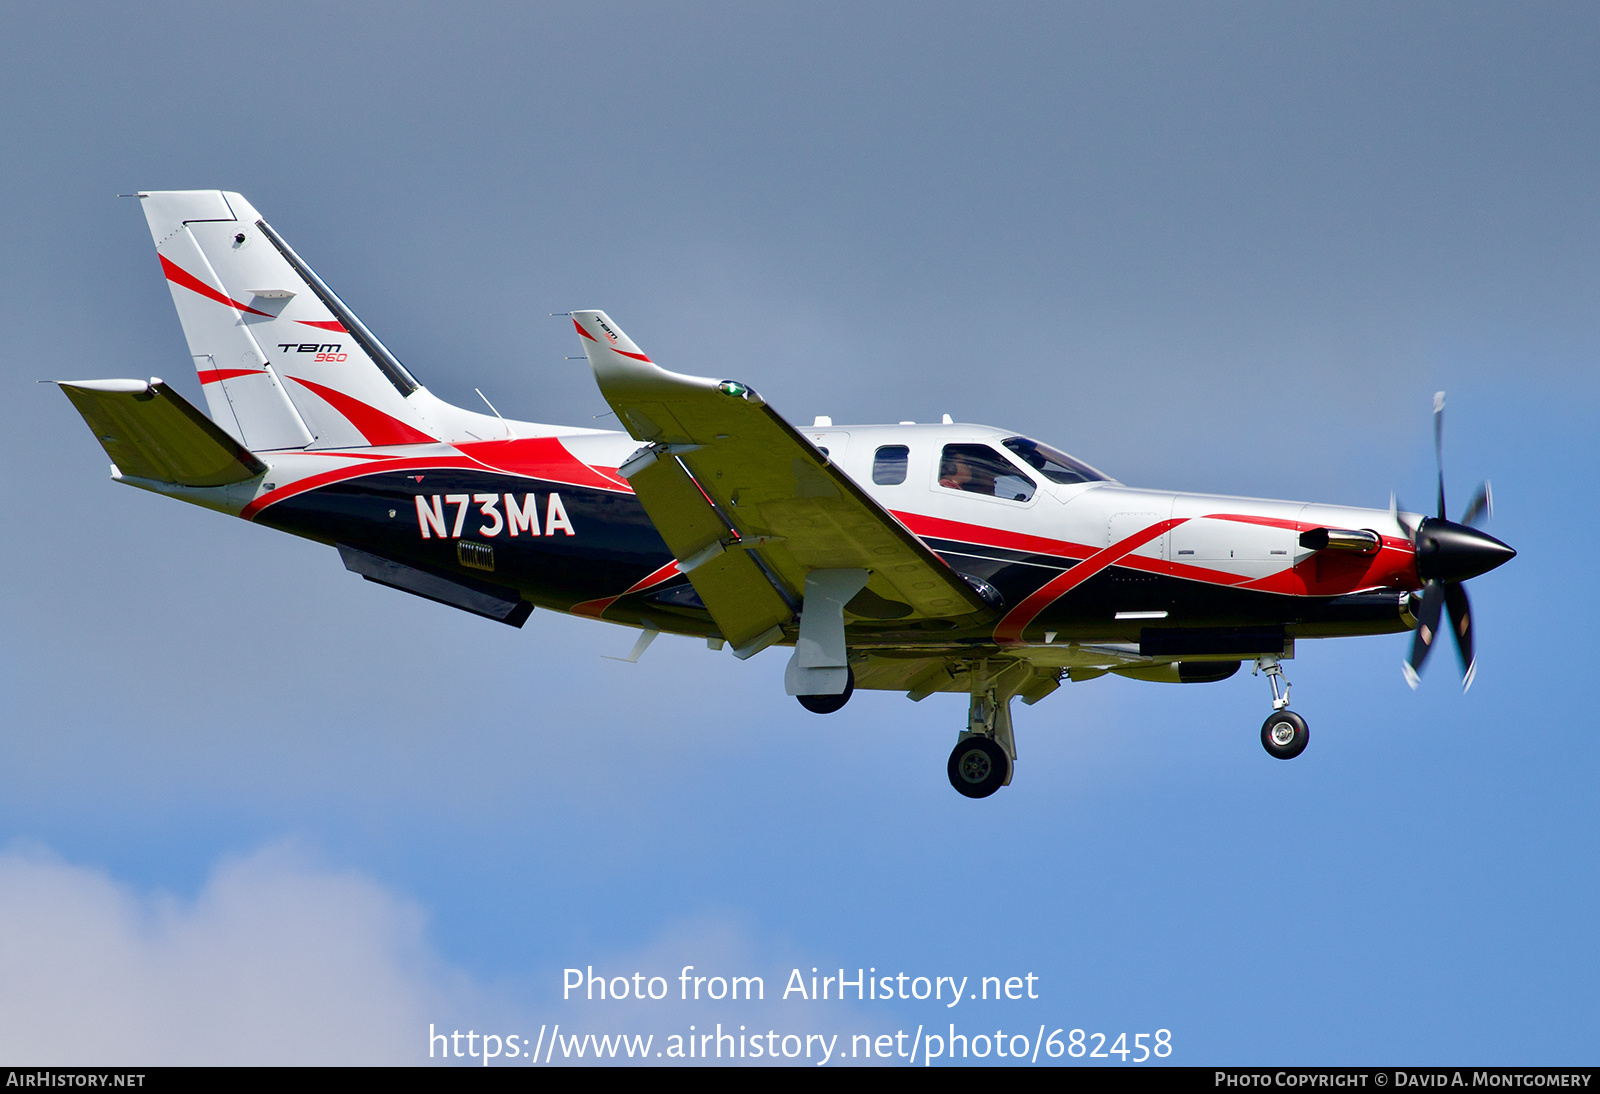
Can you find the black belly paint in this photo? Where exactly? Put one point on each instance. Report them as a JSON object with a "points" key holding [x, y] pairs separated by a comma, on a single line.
{"points": [[613, 545]]}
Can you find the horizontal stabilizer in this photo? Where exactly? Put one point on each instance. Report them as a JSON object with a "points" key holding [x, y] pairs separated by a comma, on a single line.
{"points": [[491, 601], [152, 432]]}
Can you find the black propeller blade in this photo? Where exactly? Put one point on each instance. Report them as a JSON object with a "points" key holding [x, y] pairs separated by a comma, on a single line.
{"points": [[1447, 554], [1427, 630], [1482, 504], [1460, 609]]}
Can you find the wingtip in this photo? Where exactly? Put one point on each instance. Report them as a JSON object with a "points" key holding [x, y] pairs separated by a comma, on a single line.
{"points": [[1470, 675], [1412, 678]]}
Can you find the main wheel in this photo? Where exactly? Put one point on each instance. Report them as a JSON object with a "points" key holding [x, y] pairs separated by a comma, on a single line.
{"points": [[1285, 735], [827, 704], [978, 767]]}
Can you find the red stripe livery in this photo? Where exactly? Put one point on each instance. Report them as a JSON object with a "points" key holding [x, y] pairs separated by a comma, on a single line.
{"points": [[376, 426], [180, 276]]}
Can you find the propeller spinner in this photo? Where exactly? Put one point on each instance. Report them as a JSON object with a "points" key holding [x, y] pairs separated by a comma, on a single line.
{"points": [[1448, 554]]}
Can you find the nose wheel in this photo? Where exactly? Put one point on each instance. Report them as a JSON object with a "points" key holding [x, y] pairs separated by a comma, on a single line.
{"points": [[1284, 735]]}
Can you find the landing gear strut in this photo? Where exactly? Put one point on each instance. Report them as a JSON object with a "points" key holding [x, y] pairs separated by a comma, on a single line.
{"points": [[1284, 735], [981, 762]]}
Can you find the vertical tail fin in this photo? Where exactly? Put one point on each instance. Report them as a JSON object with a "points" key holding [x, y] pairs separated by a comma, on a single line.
{"points": [[283, 362]]}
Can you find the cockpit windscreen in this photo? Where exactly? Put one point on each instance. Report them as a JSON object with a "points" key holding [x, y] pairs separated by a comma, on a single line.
{"points": [[1053, 465]]}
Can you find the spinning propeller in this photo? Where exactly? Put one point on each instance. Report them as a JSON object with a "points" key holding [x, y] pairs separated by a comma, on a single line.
{"points": [[1447, 555]]}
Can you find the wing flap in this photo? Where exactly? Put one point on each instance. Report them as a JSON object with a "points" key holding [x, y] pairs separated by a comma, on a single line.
{"points": [[777, 489], [738, 595], [152, 432]]}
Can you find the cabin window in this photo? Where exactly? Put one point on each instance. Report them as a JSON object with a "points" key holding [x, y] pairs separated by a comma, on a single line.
{"points": [[889, 465], [979, 469]]}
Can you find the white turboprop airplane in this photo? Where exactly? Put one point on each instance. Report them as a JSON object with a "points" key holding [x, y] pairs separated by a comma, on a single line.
{"points": [[914, 558]]}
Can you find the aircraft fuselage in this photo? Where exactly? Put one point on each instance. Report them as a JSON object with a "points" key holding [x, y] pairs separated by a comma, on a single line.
{"points": [[1084, 562]]}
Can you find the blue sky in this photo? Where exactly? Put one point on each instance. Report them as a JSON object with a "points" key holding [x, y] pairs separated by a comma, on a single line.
{"points": [[256, 809]]}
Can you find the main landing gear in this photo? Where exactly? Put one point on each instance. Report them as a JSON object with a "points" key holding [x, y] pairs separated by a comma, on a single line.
{"points": [[819, 673], [982, 760], [827, 704], [978, 766], [1284, 734]]}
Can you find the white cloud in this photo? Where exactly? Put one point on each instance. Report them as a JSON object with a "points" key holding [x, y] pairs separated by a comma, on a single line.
{"points": [[276, 961], [281, 960]]}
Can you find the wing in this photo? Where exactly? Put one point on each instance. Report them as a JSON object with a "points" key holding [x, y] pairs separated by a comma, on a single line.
{"points": [[749, 506]]}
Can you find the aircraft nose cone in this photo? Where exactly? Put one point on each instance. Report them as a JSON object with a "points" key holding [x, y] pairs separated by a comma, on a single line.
{"points": [[1447, 551]]}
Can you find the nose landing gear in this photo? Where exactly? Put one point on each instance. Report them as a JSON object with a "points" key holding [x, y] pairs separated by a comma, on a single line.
{"points": [[1285, 734]]}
